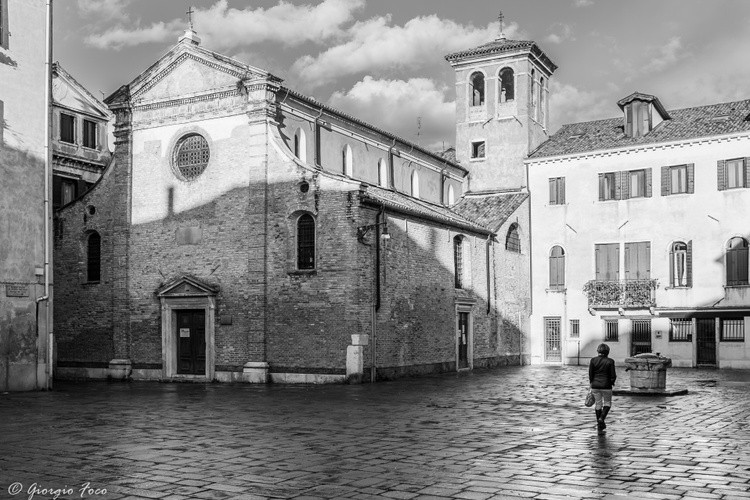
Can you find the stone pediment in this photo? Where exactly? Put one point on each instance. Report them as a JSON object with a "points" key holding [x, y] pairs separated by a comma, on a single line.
{"points": [[186, 286], [188, 75], [68, 93]]}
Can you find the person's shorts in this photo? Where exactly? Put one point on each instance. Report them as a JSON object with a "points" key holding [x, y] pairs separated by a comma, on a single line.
{"points": [[602, 397]]}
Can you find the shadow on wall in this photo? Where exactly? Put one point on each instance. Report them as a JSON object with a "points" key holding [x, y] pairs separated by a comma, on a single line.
{"points": [[218, 242]]}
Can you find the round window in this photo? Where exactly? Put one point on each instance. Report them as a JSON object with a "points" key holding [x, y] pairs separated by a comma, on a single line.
{"points": [[191, 156]]}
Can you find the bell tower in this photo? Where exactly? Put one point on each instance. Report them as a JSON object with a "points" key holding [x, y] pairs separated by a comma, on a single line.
{"points": [[502, 110]]}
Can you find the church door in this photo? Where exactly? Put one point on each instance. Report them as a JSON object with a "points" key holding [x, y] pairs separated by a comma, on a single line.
{"points": [[463, 340], [191, 341]]}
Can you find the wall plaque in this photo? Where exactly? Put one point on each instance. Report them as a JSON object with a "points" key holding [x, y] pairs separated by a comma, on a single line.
{"points": [[16, 290], [184, 332]]}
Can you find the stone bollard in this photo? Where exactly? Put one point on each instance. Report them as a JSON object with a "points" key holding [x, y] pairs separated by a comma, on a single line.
{"points": [[119, 369], [355, 358], [648, 372]]}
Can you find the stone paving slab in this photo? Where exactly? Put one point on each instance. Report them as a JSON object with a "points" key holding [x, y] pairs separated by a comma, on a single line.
{"points": [[517, 432]]}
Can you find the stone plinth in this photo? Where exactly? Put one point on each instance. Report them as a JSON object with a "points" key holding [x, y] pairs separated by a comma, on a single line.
{"points": [[255, 372], [120, 369]]}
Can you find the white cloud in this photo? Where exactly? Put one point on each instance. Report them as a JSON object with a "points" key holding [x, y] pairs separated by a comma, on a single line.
{"points": [[583, 3], [221, 27], [106, 10], [395, 105], [562, 32], [666, 55], [569, 104], [118, 37], [375, 45]]}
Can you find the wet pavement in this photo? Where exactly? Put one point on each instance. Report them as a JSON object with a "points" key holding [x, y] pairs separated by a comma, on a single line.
{"points": [[519, 432]]}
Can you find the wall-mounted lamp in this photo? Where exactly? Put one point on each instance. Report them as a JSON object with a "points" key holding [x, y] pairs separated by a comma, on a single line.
{"points": [[363, 230]]}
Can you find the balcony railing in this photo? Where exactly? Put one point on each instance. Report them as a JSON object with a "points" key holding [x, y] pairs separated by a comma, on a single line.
{"points": [[622, 293]]}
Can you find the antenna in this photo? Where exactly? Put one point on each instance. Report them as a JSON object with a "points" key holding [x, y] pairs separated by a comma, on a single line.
{"points": [[419, 127]]}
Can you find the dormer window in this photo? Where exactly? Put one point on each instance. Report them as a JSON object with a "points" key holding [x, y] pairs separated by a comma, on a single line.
{"points": [[642, 113]]}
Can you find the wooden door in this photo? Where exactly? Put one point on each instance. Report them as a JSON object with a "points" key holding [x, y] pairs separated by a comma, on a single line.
{"points": [[463, 340], [191, 342], [706, 340]]}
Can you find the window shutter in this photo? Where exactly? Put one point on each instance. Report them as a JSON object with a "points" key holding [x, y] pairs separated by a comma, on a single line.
{"points": [[601, 187], [552, 192], [597, 262], [648, 183], [721, 175], [689, 264], [747, 172], [691, 177], [624, 183], [561, 194], [616, 262], [618, 185], [630, 265], [665, 181], [644, 261], [671, 265]]}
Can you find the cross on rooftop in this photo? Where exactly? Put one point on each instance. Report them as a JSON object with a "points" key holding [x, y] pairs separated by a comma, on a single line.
{"points": [[190, 16], [501, 18]]}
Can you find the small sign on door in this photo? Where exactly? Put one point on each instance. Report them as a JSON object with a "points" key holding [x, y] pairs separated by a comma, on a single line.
{"points": [[184, 332]]}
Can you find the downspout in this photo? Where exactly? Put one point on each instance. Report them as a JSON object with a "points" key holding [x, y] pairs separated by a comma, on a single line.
{"points": [[531, 267], [378, 221], [489, 290], [47, 170]]}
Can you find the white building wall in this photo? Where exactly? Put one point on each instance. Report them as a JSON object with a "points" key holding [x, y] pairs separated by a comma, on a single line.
{"points": [[708, 217]]}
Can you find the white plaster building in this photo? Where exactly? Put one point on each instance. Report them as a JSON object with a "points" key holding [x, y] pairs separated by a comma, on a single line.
{"points": [[640, 236]]}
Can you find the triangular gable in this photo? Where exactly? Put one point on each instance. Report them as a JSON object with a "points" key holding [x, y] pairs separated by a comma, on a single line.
{"points": [[67, 92], [189, 70], [186, 286]]}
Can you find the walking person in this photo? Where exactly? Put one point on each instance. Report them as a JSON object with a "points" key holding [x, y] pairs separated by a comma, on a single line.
{"points": [[602, 377]]}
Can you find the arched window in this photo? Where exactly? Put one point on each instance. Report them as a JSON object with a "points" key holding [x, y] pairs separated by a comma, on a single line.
{"points": [[458, 261], [737, 262], [300, 145], [306, 242], [512, 240], [346, 160], [507, 81], [382, 173], [94, 257], [477, 89], [534, 96], [679, 264], [557, 268], [541, 101], [451, 196], [415, 184]]}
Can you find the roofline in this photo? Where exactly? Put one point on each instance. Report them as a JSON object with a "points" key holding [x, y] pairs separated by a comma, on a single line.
{"points": [[98, 103], [325, 107], [370, 200], [647, 145], [468, 54]]}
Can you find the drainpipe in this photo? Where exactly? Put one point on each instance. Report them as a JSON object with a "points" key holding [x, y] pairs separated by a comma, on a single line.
{"points": [[47, 170], [378, 220], [489, 285]]}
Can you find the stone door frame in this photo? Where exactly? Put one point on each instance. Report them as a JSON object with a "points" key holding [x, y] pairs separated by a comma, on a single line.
{"points": [[180, 294], [464, 307]]}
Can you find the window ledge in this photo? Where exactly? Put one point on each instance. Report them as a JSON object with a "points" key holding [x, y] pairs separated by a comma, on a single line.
{"points": [[557, 204], [744, 285], [478, 158], [556, 290], [303, 272], [681, 287], [87, 148]]}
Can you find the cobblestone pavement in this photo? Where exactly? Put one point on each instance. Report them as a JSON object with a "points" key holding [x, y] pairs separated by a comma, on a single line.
{"points": [[519, 432]]}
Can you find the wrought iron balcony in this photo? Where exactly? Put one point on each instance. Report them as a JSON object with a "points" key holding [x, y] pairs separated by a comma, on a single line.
{"points": [[621, 293]]}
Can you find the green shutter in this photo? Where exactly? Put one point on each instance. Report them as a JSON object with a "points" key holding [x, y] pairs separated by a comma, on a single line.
{"points": [[648, 183], [689, 264], [561, 193], [691, 177], [552, 192], [625, 185], [747, 172], [721, 175], [601, 187], [618, 186], [665, 181]]}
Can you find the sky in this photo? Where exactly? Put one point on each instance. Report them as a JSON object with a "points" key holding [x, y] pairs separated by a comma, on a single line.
{"points": [[383, 60]]}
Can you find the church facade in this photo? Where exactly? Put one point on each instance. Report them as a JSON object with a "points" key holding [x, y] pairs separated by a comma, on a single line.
{"points": [[246, 232]]}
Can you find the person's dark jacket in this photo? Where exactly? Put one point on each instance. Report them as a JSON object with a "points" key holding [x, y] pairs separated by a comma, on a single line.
{"points": [[602, 372]]}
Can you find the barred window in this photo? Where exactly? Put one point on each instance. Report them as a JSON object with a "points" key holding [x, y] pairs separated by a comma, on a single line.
{"points": [[512, 240], [458, 261], [575, 328], [611, 331], [94, 257], [733, 330], [306, 242], [681, 330], [191, 156]]}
